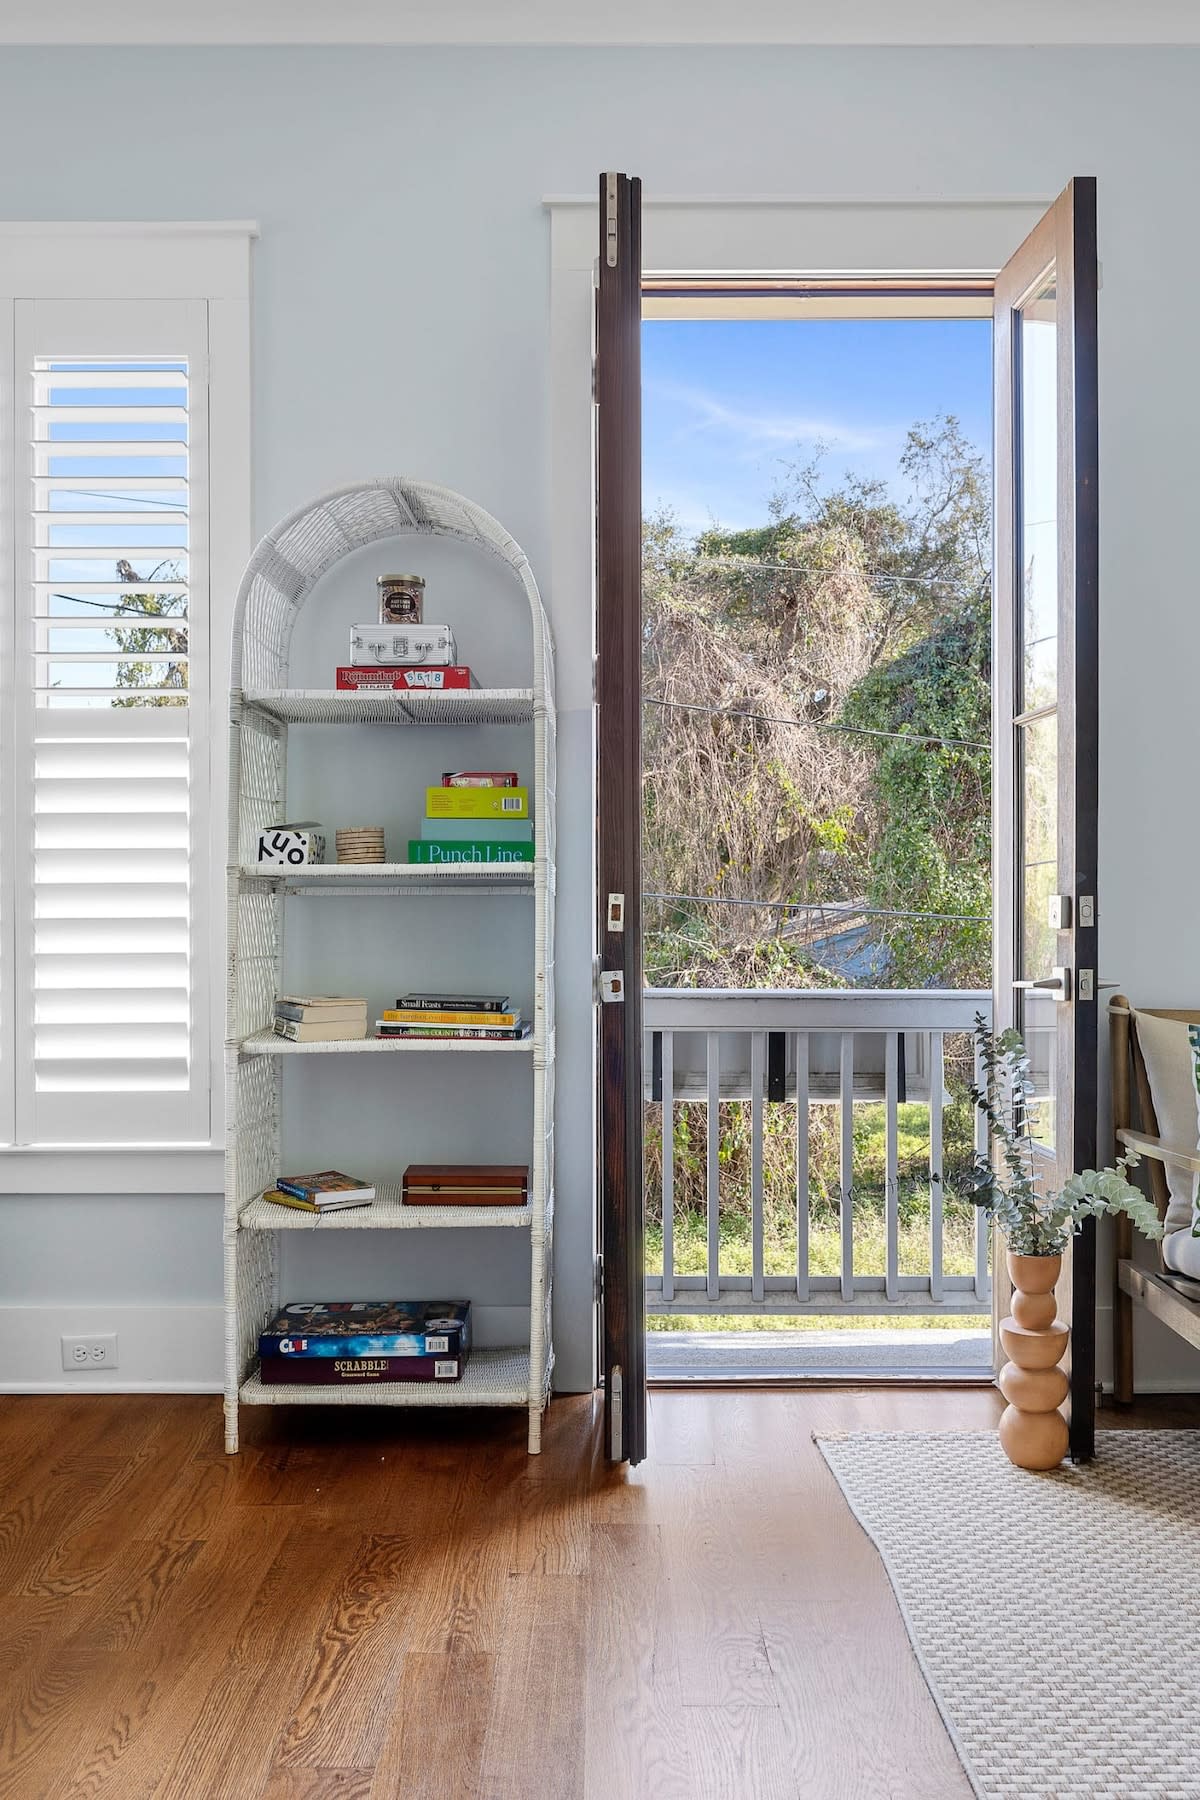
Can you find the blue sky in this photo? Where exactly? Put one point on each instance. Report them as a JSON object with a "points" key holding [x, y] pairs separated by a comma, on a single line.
{"points": [[728, 404]]}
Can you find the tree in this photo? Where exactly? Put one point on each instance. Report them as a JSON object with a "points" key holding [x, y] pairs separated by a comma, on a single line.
{"points": [[817, 718], [141, 640]]}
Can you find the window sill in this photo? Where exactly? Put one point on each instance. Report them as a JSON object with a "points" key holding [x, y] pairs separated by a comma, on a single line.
{"points": [[112, 1169]]}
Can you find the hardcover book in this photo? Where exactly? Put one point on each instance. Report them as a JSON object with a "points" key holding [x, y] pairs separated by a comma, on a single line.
{"points": [[319, 1030], [476, 803], [475, 850], [423, 1015], [458, 831], [330, 1203], [308, 1009], [351, 1371], [443, 1002], [376, 1328], [501, 1034], [326, 1182]]}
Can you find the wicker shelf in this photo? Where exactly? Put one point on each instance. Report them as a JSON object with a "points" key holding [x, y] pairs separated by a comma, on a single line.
{"points": [[385, 1213], [491, 1378], [396, 878], [387, 706], [284, 575], [267, 1043]]}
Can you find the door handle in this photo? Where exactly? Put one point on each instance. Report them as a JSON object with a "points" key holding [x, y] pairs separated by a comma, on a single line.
{"points": [[1058, 982]]}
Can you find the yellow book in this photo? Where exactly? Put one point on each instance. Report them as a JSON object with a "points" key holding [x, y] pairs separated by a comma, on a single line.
{"points": [[476, 803], [413, 1015]]}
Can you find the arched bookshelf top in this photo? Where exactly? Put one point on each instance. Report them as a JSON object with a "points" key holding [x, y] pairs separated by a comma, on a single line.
{"points": [[295, 554]]}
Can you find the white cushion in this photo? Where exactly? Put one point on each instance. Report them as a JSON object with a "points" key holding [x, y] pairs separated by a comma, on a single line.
{"points": [[1170, 1060]]}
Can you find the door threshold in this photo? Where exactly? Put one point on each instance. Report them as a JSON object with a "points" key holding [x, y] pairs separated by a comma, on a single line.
{"points": [[665, 1376]]}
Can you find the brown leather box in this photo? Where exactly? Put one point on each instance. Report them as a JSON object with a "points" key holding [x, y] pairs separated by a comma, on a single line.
{"points": [[466, 1184]]}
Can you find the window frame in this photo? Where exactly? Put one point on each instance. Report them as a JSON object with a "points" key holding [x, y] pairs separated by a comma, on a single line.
{"points": [[208, 263]]}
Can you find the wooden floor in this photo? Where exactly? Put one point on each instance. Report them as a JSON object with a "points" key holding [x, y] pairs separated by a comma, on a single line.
{"points": [[369, 1604]]}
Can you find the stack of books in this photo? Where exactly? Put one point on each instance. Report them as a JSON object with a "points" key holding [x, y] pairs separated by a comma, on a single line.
{"points": [[475, 816], [449, 1016], [343, 1343], [320, 1018], [329, 1190]]}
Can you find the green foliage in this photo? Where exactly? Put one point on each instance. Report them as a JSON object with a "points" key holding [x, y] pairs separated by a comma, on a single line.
{"points": [[1006, 1188], [848, 608]]}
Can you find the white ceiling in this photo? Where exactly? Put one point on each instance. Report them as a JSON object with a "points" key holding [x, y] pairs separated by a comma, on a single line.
{"points": [[677, 22]]}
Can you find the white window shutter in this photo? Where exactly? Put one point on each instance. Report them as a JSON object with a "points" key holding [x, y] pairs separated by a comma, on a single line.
{"points": [[110, 690]]}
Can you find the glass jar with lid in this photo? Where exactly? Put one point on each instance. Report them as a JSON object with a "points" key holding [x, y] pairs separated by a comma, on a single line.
{"points": [[401, 599]]}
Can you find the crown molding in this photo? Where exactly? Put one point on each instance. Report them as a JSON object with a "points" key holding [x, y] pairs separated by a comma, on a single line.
{"points": [[498, 23]]}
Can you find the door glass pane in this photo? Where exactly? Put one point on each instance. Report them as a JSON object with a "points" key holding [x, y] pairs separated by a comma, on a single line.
{"points": [[1038, 498], [1037, 745]]}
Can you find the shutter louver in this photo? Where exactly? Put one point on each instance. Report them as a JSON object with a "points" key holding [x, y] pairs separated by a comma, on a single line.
{"points": [[106, 956]]}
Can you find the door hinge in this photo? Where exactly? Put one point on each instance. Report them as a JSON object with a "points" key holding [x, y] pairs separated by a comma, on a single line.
{"points": [[610, 220], [616, 912], [598, 1280], [616, 1434], [612, 985], [595, 382]]}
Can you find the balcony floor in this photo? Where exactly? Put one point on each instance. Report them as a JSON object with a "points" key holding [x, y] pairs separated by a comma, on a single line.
{"points": [[939, 1353]]}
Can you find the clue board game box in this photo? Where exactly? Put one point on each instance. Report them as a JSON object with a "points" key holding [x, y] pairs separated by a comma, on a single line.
{"points": [[356, 1371], [374, 1328]]}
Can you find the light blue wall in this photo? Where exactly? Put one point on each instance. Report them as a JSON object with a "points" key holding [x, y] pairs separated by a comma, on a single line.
{"points": [[401, 310]]}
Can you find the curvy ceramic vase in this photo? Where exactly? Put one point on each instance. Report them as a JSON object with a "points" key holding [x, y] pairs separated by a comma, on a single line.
{"points": [[1033, 1433]]}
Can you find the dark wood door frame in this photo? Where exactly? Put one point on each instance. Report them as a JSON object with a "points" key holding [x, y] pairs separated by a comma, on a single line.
{"points": [[1065, 240], [619, 795]]}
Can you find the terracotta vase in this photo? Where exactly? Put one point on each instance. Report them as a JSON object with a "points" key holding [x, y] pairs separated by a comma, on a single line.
{"points": [[1033, 1432]]}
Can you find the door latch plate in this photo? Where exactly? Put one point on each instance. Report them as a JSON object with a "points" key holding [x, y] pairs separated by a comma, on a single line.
{"points": [[612, 985]]}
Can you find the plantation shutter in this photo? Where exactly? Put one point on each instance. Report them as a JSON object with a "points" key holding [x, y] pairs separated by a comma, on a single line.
{"points": [[109, 752]]}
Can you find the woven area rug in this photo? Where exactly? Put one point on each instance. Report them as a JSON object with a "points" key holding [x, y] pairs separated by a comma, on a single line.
{"points": [[1056, 1617]]}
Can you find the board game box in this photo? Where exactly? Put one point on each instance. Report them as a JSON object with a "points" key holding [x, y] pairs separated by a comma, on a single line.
{"points": [[351, 1371], [372, 1328]]}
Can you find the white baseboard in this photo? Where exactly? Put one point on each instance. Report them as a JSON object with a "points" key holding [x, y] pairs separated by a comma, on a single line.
{"points": [[161, 1349]]}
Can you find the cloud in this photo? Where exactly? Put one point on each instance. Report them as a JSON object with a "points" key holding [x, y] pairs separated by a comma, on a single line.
{"points": [[759, 431]]}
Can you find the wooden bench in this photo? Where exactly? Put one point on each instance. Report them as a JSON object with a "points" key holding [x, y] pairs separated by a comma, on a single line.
{"points": [[1161, 1293]]}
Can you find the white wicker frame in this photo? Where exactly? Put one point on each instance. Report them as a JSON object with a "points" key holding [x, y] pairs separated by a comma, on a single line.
{"points": [[278, 580]]}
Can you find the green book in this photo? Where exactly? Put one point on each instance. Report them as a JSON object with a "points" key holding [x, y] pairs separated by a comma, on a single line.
{"points": [[473, 850], [466, 831]]}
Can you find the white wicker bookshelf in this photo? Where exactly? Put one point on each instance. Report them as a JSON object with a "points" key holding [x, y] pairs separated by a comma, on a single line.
{"points": [[279, 579]]}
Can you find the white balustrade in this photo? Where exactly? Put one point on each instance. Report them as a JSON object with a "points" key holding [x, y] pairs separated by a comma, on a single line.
{"points": [[804, 1050]]}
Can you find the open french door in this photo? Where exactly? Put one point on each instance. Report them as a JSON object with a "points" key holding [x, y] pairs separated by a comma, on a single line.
{"points": [[1045, 669], [619, 792]]}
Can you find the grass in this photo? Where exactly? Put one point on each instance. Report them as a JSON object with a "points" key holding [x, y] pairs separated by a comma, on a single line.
{"points": [[690, 1253]]}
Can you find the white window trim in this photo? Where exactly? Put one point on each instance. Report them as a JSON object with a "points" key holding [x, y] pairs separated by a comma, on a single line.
{"points": [[207, 261], [748, 235]]}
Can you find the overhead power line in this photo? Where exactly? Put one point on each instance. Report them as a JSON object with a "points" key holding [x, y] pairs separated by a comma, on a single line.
{"points": [[920, 739]]}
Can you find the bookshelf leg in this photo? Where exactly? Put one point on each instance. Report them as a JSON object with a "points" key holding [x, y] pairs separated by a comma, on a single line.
{"points": [[231, 1428], [535, 1431]]}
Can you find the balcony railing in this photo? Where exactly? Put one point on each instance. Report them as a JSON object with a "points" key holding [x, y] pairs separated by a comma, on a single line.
{"points": [[805, 1051]]}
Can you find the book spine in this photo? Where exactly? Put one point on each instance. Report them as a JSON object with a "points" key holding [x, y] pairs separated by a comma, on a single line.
{"points": [[472, 850], [402, 1344], [348, 1371], [412, 1015], [318, 1015], [476, 803], [277, 1197], [485, 1003], [509, 1035]]}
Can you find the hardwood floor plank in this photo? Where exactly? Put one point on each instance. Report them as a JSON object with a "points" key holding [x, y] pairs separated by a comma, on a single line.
{"points": [[344, 1707], [739, 1750], [534, 1746], [434, 1744], [323, 1784], [637, 1737]]}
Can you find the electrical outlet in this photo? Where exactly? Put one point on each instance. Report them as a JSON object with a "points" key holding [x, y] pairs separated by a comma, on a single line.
{"points": [[99, 1352]]}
